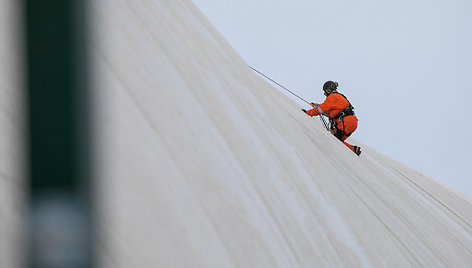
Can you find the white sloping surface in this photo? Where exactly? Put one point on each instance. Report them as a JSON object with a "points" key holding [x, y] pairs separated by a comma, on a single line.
{"points": [[204, 164], [11, 133]]}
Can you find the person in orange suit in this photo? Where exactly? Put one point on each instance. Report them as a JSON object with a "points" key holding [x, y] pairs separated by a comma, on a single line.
{"points": [[343, 120]]}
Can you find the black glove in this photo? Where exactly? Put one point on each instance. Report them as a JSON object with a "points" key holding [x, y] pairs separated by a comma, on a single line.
{"points": [[312, 104], [304, 110]]}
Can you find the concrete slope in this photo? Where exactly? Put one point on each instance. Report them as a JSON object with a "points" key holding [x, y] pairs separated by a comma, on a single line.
{"points": [[204, 164]]}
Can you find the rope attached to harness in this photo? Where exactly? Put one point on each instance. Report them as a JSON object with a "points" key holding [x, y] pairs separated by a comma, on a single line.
{"points": [[321, 117]]}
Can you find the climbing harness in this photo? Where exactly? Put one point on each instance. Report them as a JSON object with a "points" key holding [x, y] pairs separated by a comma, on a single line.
{"points": [[349, 110]]}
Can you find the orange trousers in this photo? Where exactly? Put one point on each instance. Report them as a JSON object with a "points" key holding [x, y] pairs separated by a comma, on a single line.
{"points": [[344, 128]]}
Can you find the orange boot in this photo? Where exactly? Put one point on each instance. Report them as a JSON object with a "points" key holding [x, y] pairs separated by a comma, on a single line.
{"points": [[355, 149]]}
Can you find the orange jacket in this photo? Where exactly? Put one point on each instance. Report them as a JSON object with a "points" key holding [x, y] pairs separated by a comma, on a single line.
{"points": [[334, 104]]}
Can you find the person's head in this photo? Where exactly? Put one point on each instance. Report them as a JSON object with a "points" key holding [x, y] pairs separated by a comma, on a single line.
{"points": [[329, 87]]}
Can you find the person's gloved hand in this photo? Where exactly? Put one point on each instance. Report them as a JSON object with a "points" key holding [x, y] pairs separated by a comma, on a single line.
{"points": [[314, 104]]}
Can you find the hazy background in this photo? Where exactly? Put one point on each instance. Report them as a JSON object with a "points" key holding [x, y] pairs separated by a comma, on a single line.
{"points": [[404, 65]]}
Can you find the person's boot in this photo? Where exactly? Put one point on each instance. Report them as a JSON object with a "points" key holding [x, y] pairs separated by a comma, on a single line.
{"points": [[357, 150]]}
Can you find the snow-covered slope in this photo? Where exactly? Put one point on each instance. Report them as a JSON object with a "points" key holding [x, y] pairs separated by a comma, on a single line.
{"points": [[202, 163]]}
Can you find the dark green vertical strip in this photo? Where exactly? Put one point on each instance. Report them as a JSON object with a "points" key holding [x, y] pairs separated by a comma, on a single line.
{"points": [[51, 88], [58, 133]]}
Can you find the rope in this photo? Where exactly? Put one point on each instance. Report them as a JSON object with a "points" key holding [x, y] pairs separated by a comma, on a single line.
{"points": [[321, 117], [433, 197], [279, 85]]}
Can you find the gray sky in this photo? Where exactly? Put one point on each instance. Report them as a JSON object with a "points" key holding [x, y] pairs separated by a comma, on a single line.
{"points": [[404, 65]]}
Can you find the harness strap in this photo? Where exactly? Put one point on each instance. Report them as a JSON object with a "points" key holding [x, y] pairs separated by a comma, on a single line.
{"points": [[349, 110], [346, 112], [340, 134]]}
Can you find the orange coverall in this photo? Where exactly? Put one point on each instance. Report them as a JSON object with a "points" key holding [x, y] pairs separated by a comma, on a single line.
{"points": [[334, 104]]}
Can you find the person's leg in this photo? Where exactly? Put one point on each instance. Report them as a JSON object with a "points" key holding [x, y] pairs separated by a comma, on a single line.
{"points": [[355, 149], [349, 125]]}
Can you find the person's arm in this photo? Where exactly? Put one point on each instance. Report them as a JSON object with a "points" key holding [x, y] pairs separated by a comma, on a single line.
{"points": [[315, 111], [323, 108]]}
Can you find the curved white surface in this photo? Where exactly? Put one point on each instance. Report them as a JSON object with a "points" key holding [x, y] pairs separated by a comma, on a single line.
{"points": [[202, 163]]}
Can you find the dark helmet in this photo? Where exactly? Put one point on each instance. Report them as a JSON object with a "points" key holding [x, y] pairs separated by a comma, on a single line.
{"points": [[329, 87]]}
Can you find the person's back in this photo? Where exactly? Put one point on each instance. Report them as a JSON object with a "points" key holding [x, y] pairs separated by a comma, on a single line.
{"points": [[341, 113]]}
